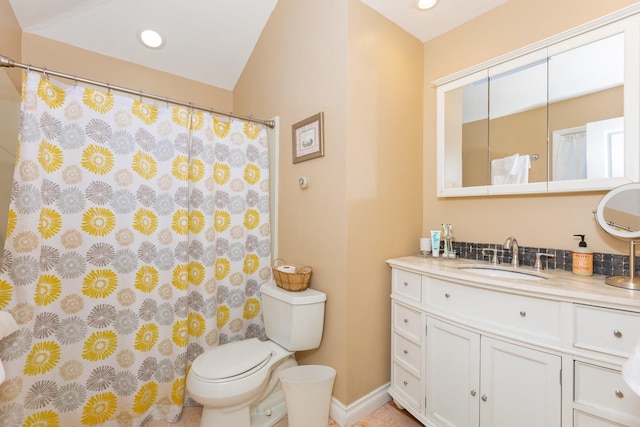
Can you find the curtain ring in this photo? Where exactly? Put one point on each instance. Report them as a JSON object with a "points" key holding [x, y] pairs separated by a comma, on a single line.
{"points": [[140, 95], [44, 73], [109, 88], [75, 80]]}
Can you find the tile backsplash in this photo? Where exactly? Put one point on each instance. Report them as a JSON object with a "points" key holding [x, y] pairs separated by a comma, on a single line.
{"points": [[603, 264]]}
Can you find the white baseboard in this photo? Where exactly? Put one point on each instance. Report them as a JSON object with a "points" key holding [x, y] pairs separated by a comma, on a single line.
{"points": [[346, 416]]}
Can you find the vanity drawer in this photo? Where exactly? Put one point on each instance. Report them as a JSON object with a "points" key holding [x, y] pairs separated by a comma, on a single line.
{"points": [[582, 419], [606, 330], [604, 389], [535, 317], [407, 384], [407, 321], [407, 284], [407, 353]]}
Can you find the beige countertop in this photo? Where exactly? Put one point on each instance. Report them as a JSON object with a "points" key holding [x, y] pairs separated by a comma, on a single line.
{"points": [[558, 284]]}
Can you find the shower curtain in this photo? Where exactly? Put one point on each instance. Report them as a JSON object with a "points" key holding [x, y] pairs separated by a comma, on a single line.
{"points": [[138, 236], [570, 156]]}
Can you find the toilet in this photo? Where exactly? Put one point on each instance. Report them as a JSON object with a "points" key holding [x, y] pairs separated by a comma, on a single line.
{"points": [[237, 383]]}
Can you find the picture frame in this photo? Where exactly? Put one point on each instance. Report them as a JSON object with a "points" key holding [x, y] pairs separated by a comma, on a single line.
{"points": [[308, 138]]}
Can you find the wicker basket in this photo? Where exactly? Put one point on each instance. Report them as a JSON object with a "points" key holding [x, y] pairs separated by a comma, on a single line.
{"points": [[298, 281]]}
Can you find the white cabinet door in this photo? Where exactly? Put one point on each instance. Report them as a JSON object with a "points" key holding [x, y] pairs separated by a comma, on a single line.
{"points": [[452, 374], [520, 386], [479, 381]]}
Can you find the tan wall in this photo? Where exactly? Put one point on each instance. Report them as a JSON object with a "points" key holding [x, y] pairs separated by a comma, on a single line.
{"points": [[65, 58], [363, 202], [540, 220], [10, 85], [9, 122], [523, 133], [384, 175], [297, 69], [475, 156], [10, 40], [606, 104]]}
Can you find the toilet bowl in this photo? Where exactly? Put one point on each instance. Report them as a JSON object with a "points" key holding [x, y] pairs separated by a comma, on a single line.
{"points": [[238, 383], [227, 390]]}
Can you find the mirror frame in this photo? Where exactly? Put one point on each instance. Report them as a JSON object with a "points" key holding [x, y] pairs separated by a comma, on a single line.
{"points": [[602, 222], [626, 20], [630, 281]]}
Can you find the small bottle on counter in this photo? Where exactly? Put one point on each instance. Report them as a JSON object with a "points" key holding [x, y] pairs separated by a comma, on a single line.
{"points": [[435, 243], [582, 258]]}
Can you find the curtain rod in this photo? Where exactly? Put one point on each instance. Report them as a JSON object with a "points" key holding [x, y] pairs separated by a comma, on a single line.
{"points": [[7, 62]]}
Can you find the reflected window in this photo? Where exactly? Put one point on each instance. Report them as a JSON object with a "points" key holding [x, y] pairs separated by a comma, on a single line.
{"points": [[586, 91]]}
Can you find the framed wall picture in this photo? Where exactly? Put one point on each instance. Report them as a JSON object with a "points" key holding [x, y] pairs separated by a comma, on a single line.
{"points": [[308, 138]]}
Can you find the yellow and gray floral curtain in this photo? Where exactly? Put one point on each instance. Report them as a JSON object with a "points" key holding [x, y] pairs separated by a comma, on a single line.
{"points": [[138, 236]]}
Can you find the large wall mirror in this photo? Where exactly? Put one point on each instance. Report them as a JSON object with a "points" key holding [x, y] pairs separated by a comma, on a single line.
{"points": [[558, 116]]}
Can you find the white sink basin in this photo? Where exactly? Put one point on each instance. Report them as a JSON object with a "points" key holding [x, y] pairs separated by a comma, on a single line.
{"points": [[504, 272]]}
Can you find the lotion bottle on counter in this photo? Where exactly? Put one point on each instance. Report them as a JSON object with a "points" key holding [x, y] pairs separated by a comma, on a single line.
{"points": [[435, 243], [582, 258]]}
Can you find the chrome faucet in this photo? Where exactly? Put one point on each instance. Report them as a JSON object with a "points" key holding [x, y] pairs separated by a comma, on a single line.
{"points": [[512, 244]]}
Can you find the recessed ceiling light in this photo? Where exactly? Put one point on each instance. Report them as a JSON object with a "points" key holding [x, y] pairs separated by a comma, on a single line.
{"points": [[426, 4], [150, 38]]}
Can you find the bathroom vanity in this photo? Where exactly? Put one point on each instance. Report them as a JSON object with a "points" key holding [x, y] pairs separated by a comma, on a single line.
{"points": [[475, 349]]}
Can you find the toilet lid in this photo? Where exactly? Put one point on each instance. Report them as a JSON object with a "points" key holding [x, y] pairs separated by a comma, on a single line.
{"points": [[231, 359]]}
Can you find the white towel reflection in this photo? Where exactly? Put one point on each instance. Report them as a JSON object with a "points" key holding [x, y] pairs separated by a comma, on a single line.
{"points": [[510, 170]]}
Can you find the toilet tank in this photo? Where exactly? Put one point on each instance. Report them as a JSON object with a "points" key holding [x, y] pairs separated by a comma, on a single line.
{"points": [[293, 320]]}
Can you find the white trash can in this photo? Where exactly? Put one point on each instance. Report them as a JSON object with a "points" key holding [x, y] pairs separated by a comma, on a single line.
{"points": [[307, 392]]}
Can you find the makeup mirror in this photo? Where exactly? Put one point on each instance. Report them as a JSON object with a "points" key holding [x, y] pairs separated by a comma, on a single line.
{"points": [[618, 215]]}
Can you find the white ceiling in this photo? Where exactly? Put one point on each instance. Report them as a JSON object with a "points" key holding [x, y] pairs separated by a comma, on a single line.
{"points": [[427, 24], [206, 40]]}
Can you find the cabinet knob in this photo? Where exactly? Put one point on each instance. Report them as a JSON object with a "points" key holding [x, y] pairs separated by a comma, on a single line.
{"points": [[406, 320], [523, 314], [473, 393], [484, 398], [405, 382], [447, 295], [406, 283], [406, 351], [619, 394], [617, 333]]}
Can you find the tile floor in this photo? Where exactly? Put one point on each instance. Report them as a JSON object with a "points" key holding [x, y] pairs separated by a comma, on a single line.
{"points": [[386, 416]]}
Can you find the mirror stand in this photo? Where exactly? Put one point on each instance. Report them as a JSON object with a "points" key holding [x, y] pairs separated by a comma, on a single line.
{"points": [[628, 282]]}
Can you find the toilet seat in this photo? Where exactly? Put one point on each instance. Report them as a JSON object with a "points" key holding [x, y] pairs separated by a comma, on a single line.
{"points": [[248, 356]]}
